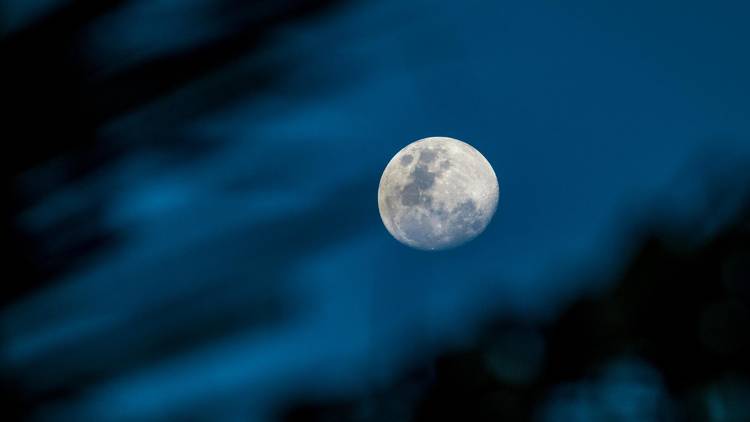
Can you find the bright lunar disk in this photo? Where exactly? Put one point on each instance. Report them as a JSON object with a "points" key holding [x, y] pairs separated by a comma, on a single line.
{"points": [[437, 193]]}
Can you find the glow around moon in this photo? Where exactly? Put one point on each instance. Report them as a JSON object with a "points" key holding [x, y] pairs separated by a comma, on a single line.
{"points": [[437, 193]]}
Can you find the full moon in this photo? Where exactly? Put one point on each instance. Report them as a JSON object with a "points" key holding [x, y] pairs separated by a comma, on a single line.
{"points": [[437, 193]]}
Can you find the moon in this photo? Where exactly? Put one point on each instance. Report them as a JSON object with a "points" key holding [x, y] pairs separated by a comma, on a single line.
{"points": [[437, 193]]}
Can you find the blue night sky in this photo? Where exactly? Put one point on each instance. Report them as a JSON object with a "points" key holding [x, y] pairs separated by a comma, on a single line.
{"points": [[263, 241]]}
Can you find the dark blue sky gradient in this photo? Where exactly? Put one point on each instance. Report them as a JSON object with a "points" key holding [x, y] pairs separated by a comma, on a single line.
{"points": [[258, 237]]}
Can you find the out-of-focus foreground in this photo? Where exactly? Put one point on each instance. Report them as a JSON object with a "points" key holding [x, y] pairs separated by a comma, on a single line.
{"points": [[194, 230]]}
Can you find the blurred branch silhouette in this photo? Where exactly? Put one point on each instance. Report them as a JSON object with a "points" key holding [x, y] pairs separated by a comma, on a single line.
{"points": [[193, 233], [81, 119]]}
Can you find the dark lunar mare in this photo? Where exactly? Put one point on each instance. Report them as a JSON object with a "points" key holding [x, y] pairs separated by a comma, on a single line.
{"points": [[422, 179], [466, 218]]}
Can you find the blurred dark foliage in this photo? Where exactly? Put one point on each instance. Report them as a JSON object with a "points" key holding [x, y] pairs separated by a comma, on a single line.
{"points": [[58, 101], [668, 339], [684, 310]]}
